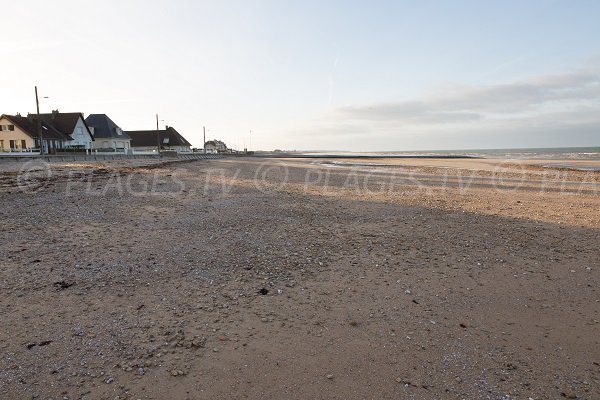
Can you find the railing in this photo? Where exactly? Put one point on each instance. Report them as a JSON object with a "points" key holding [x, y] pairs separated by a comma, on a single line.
{"points": [[135, 151], [19, 152]]}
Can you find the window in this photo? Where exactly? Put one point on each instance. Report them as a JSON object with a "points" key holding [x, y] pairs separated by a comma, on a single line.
{"points": [[6, 128], [1, 144], [13, 144], [23, 144]]}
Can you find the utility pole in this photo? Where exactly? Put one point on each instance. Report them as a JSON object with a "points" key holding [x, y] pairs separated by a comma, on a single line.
{"points": [[39, 122], [157, 137], [204, 144]]}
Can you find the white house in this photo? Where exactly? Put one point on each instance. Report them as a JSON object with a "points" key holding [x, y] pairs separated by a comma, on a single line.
{"points": [[71, 124], [215, 146]]}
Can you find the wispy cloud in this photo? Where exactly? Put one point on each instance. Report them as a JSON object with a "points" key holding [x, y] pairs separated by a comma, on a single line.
{"points": [[550, 110], [564, 92]]}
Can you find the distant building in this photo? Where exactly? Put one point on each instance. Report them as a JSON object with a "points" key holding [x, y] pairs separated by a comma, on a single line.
{"points": [[168, 138], [215, 146], [20, 134], [107, 135]]}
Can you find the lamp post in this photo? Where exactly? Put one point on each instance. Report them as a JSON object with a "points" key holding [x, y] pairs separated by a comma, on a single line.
{"points": [[157, 137], [39, 121]]}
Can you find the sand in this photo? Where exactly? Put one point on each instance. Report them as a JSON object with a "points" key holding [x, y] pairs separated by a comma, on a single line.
{"points": [[274, 278]]}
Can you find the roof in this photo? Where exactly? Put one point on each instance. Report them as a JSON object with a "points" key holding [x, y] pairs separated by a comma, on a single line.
{"points": [[104, 127], [168, 137], [29, 126], [64, 122], [215, 143]]}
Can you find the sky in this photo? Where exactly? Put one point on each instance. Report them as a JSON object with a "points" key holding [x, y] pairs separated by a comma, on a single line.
{"points": [[315, 75]]}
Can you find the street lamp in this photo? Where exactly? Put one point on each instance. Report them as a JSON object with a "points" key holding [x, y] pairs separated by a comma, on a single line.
{"points": [[158, 134], [157, 137], [39, 121]]}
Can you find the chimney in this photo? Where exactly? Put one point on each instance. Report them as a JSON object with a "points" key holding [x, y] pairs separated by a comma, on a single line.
{"points": [[54, 113]]}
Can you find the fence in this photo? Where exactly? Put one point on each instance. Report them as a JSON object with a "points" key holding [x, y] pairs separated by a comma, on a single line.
{"points": [[104, 157], [19, 152]]}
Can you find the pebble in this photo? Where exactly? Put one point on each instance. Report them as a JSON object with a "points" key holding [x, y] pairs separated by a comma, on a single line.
{"points": [[569, 395], [403, 381]]}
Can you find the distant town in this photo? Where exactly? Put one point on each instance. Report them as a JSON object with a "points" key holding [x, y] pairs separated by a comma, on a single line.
{"points": [[72, 132]]}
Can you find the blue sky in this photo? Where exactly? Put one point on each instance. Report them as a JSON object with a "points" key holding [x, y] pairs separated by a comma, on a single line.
{"points": [[346, 75]]}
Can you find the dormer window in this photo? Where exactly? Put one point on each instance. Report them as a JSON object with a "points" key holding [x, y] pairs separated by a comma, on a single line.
{"points": [[119, 131]]}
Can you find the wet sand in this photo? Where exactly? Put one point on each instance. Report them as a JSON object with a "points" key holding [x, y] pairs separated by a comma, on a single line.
{"points": [[273, 278]]}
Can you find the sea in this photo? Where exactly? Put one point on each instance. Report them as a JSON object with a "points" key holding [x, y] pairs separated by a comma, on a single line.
{"points": [[564, 154], [542, 153]]}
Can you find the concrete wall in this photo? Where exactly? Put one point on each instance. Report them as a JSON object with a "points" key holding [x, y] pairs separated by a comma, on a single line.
{"points": [[179, 149], [92, 157], [75, 157]]}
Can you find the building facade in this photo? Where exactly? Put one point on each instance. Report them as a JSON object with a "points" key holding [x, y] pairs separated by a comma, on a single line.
{"points": [[72, 125], [108, 136], [165, 139], [19, 134]]}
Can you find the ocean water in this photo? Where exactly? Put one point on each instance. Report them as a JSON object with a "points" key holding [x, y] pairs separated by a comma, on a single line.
{"points": [[553, 153]]}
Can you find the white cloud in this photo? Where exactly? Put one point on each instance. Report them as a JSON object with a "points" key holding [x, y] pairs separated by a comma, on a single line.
{"points": [[553, 110], [580, 88]]}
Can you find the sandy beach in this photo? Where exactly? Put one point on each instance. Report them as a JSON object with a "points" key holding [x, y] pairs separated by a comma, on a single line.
{"points": [[300, 278]]}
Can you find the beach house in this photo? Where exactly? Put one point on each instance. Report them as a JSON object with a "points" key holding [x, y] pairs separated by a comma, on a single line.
{"points": [[72, 125], [19, 134], [108, 136], [215, 146], [167, 139]]}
